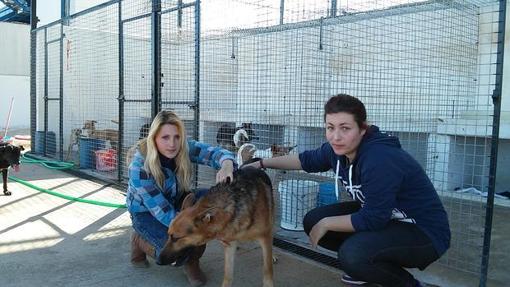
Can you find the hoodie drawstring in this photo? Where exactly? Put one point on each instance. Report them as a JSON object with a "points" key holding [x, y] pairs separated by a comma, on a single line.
{"points": [[336, 179], [350, 179]]}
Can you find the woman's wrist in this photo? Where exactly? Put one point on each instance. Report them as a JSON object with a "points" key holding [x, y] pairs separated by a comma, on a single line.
{"points": [[261, 163], [227, 163]]}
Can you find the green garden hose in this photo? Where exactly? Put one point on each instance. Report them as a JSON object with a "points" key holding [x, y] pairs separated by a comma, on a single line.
{"points": [[59, 165], [51, 164]]}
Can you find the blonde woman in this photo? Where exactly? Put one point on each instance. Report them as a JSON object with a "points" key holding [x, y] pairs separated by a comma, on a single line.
{"points": [[159, 179]]}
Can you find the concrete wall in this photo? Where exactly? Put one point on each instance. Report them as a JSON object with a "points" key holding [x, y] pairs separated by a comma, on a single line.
{"points": [[281, 75], [15, 49], [14, 75], [17, 87]]}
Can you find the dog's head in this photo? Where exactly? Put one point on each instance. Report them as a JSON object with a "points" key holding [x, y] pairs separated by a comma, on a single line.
{"points": [[89, 125], [11, 154], [193, 226], [250, 131], [76, 132], [245, 153], [278, 150], [241, 137]]}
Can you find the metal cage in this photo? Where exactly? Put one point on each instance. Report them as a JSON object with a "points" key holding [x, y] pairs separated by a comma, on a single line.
{"points": [[430, 72]]}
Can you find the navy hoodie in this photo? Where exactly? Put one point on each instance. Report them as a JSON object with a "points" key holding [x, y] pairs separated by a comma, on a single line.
{"points": [[388, 182]]}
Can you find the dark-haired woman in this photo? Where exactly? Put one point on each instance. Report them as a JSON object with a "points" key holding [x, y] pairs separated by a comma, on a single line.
{"points": [[396, 220]]}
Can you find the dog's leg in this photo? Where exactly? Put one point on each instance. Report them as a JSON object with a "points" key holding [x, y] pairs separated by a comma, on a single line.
{"points": [[266, 243], [4, 177], [69, 150], [230, 252]]}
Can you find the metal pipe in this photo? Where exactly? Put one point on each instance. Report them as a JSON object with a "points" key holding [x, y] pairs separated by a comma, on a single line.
{"points": [[33, 74], [121, 98], [45, 91], [156, 57], [282, 11], [496, 100], [197, 79], [61, 96], [182, 6], [53, 41], [332, 11], [64, 11], [179, 14], [136, 17]]}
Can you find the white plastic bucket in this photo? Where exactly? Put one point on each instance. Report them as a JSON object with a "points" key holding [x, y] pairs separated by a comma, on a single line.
{"points": [[297, 197]]}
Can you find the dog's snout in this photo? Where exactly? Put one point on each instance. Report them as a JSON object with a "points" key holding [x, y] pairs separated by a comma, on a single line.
{"points": [[177, 258], [165, 259]]}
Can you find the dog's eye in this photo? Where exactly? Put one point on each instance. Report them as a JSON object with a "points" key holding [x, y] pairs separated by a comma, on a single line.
{"points": [[174, 238]]}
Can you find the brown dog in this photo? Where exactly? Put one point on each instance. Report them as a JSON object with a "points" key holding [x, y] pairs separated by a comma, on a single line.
{"points": [[106, 134], [239, 211]]}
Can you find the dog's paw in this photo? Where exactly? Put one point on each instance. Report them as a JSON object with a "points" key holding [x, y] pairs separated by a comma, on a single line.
{"points": [[6, 192]]}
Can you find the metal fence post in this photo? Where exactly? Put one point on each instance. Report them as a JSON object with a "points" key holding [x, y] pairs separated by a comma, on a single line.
{"points": [[121, 98], [45, 91], [282, 10], [33, 73], [496, 100], [156, 56], [332, 12], [197, 70], [61, 91], [197, 80]]}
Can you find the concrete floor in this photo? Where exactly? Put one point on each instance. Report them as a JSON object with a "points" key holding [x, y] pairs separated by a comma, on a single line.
{"points": [[50, 241]]}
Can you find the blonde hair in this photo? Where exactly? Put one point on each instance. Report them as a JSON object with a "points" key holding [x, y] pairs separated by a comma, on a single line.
{"points": [[149, 150]]}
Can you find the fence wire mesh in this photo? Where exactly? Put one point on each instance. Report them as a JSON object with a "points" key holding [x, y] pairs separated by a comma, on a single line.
{"points": [[426, 71]]}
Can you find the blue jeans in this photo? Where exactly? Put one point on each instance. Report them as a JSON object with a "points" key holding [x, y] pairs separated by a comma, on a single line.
{"points": [[375, 256], [154, 231]]}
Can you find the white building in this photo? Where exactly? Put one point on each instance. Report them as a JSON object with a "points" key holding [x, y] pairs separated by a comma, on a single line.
{"points": [[14, 76]]}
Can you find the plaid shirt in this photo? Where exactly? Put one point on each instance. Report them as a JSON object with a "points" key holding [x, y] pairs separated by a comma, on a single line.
{"points": [[144, 194]]}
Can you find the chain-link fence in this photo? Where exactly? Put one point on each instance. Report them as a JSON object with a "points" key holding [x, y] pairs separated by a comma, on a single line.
{"points": [[429, 72]]}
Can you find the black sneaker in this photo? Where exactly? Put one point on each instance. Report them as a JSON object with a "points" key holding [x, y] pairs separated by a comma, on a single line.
{"points": [[349, 280]]}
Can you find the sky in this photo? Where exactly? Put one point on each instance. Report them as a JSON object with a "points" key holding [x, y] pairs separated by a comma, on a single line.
{"points": [[48, 12]]}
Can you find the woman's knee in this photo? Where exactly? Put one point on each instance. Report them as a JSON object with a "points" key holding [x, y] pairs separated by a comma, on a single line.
{"points": [[353, 255]]}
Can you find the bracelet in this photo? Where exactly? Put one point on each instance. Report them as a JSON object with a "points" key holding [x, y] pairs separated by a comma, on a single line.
{"points": [[261, 162]]}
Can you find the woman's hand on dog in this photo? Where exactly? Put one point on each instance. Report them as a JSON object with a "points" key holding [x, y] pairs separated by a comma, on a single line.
{"points": [[226, 172]]}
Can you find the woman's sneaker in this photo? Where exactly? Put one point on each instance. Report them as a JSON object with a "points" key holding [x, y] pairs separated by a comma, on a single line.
{"points": [[349, 280]]}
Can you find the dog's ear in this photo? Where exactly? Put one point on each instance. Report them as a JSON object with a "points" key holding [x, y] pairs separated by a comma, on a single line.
{"points": [[208, 215], [188, 201], [206, 218]]}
